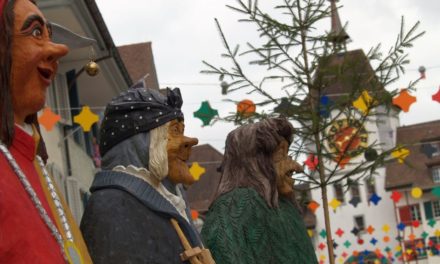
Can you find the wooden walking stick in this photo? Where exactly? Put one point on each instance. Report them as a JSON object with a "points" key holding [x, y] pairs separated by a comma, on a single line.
{"points": [[195, 255]]}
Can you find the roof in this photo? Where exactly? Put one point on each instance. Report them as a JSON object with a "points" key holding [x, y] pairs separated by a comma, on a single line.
{"points": [[416, 172], [341, 73], [138, 58], [201, 194], [110, 45]]}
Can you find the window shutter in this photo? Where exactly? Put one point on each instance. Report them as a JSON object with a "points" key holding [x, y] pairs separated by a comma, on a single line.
{"points": [[405, 214], [428, 210]]}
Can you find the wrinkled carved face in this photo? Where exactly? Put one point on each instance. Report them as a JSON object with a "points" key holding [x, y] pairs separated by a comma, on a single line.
{"points": [[285, 167], [179, 149], [34, 59]]}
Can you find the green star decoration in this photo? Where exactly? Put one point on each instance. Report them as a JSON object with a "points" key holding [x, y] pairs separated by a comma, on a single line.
{"points": [[431, 222], [347, 244], [205, 113], [424, 235], [323, 233]]}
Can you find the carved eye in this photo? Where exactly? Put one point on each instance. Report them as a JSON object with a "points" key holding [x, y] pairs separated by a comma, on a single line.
{"points": [[37, 32]]}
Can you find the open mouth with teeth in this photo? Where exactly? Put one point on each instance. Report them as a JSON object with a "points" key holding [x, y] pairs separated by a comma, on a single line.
{"points": [[46, 74]]}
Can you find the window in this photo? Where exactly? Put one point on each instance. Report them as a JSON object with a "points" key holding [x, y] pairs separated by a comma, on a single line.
{"points": [[58, 98], [355, 193], [371, 188], [359, 222], [436, 208], [409, 213], [435, 171], [437, 150], [432, 209], [339, 192], [417, 247]]}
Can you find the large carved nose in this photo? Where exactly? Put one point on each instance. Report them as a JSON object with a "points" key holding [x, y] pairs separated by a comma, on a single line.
{"points": [[295, 166], [56, 51], [190, 142]]}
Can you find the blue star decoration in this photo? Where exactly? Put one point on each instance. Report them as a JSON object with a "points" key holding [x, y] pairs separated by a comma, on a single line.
{"points": [[355, 201], [373, 241], [375, 199], [401, 226], [324, 106], [205, 113], [355, 231]]}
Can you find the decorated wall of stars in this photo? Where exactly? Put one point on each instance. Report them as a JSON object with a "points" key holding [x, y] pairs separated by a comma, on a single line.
{"points": [[426, 243]]}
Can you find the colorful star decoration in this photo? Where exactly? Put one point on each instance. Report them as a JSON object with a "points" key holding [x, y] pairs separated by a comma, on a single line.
{"points": [[370, 229], [364, 102], [313, 206], [436, 191], [324, 106], [396, 196], [347, 244], [321, 246], [205, 113], [400, 154], [416, 192], [323, 233], [335, 203], [196, 170], [48, 119], [404, 100], [86, 118], [311, 162], [386, 228], [431, 222], [355, 201], [436, 97], [375, 199], [339, 232]]}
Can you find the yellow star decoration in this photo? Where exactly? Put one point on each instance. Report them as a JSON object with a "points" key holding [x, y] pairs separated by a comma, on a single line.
{"points": [[363, 102], [437, 233], [48, 119], [398, 248], [400, 154], [335, 203], [416, 192], [310, 232], [86, 118], [341, 260], [322, 257], [386, 228], [409, 251], [196, 170]]}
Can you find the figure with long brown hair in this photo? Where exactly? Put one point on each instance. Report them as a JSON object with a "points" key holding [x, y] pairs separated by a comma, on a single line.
{"points": [[254, 218], [36, 225]]}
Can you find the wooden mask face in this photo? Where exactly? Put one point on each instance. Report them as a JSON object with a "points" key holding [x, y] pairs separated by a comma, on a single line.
{"points": [[284, 167], [34, 59], [179, 150]]}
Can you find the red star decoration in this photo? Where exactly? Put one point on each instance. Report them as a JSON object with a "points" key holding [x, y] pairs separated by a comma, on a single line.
{"points": [[313, 206], [416, 223], [360, 241], [321, 246], [311, 162], [48, 119], [404, 100], [370, 229], [339, 232], [431, 243], [396, 196], [436, 97], [344, 254]]}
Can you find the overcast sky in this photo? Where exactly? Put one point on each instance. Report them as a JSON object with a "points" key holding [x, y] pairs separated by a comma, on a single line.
{"points": [[183, 33]]}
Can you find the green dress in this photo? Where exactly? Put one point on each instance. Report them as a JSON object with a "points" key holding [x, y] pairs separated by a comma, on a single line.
{"points": [[240, 228]]}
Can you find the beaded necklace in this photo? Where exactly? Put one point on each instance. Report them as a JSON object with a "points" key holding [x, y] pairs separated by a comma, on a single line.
{"points": [[68, 249]]}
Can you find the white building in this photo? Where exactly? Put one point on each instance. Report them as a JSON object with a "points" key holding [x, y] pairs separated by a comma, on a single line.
{"points": [[70, 150]]}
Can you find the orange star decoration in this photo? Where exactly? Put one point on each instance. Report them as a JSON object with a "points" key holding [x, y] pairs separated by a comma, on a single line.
{"points": [[370, 229], [416, 192], [48, 119], [400, 154], [313, 206], [404, 100], [194, 214], [364, 102], [411, 237], [86, 118], [335, 203], [386, 239], [196, 170]]}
